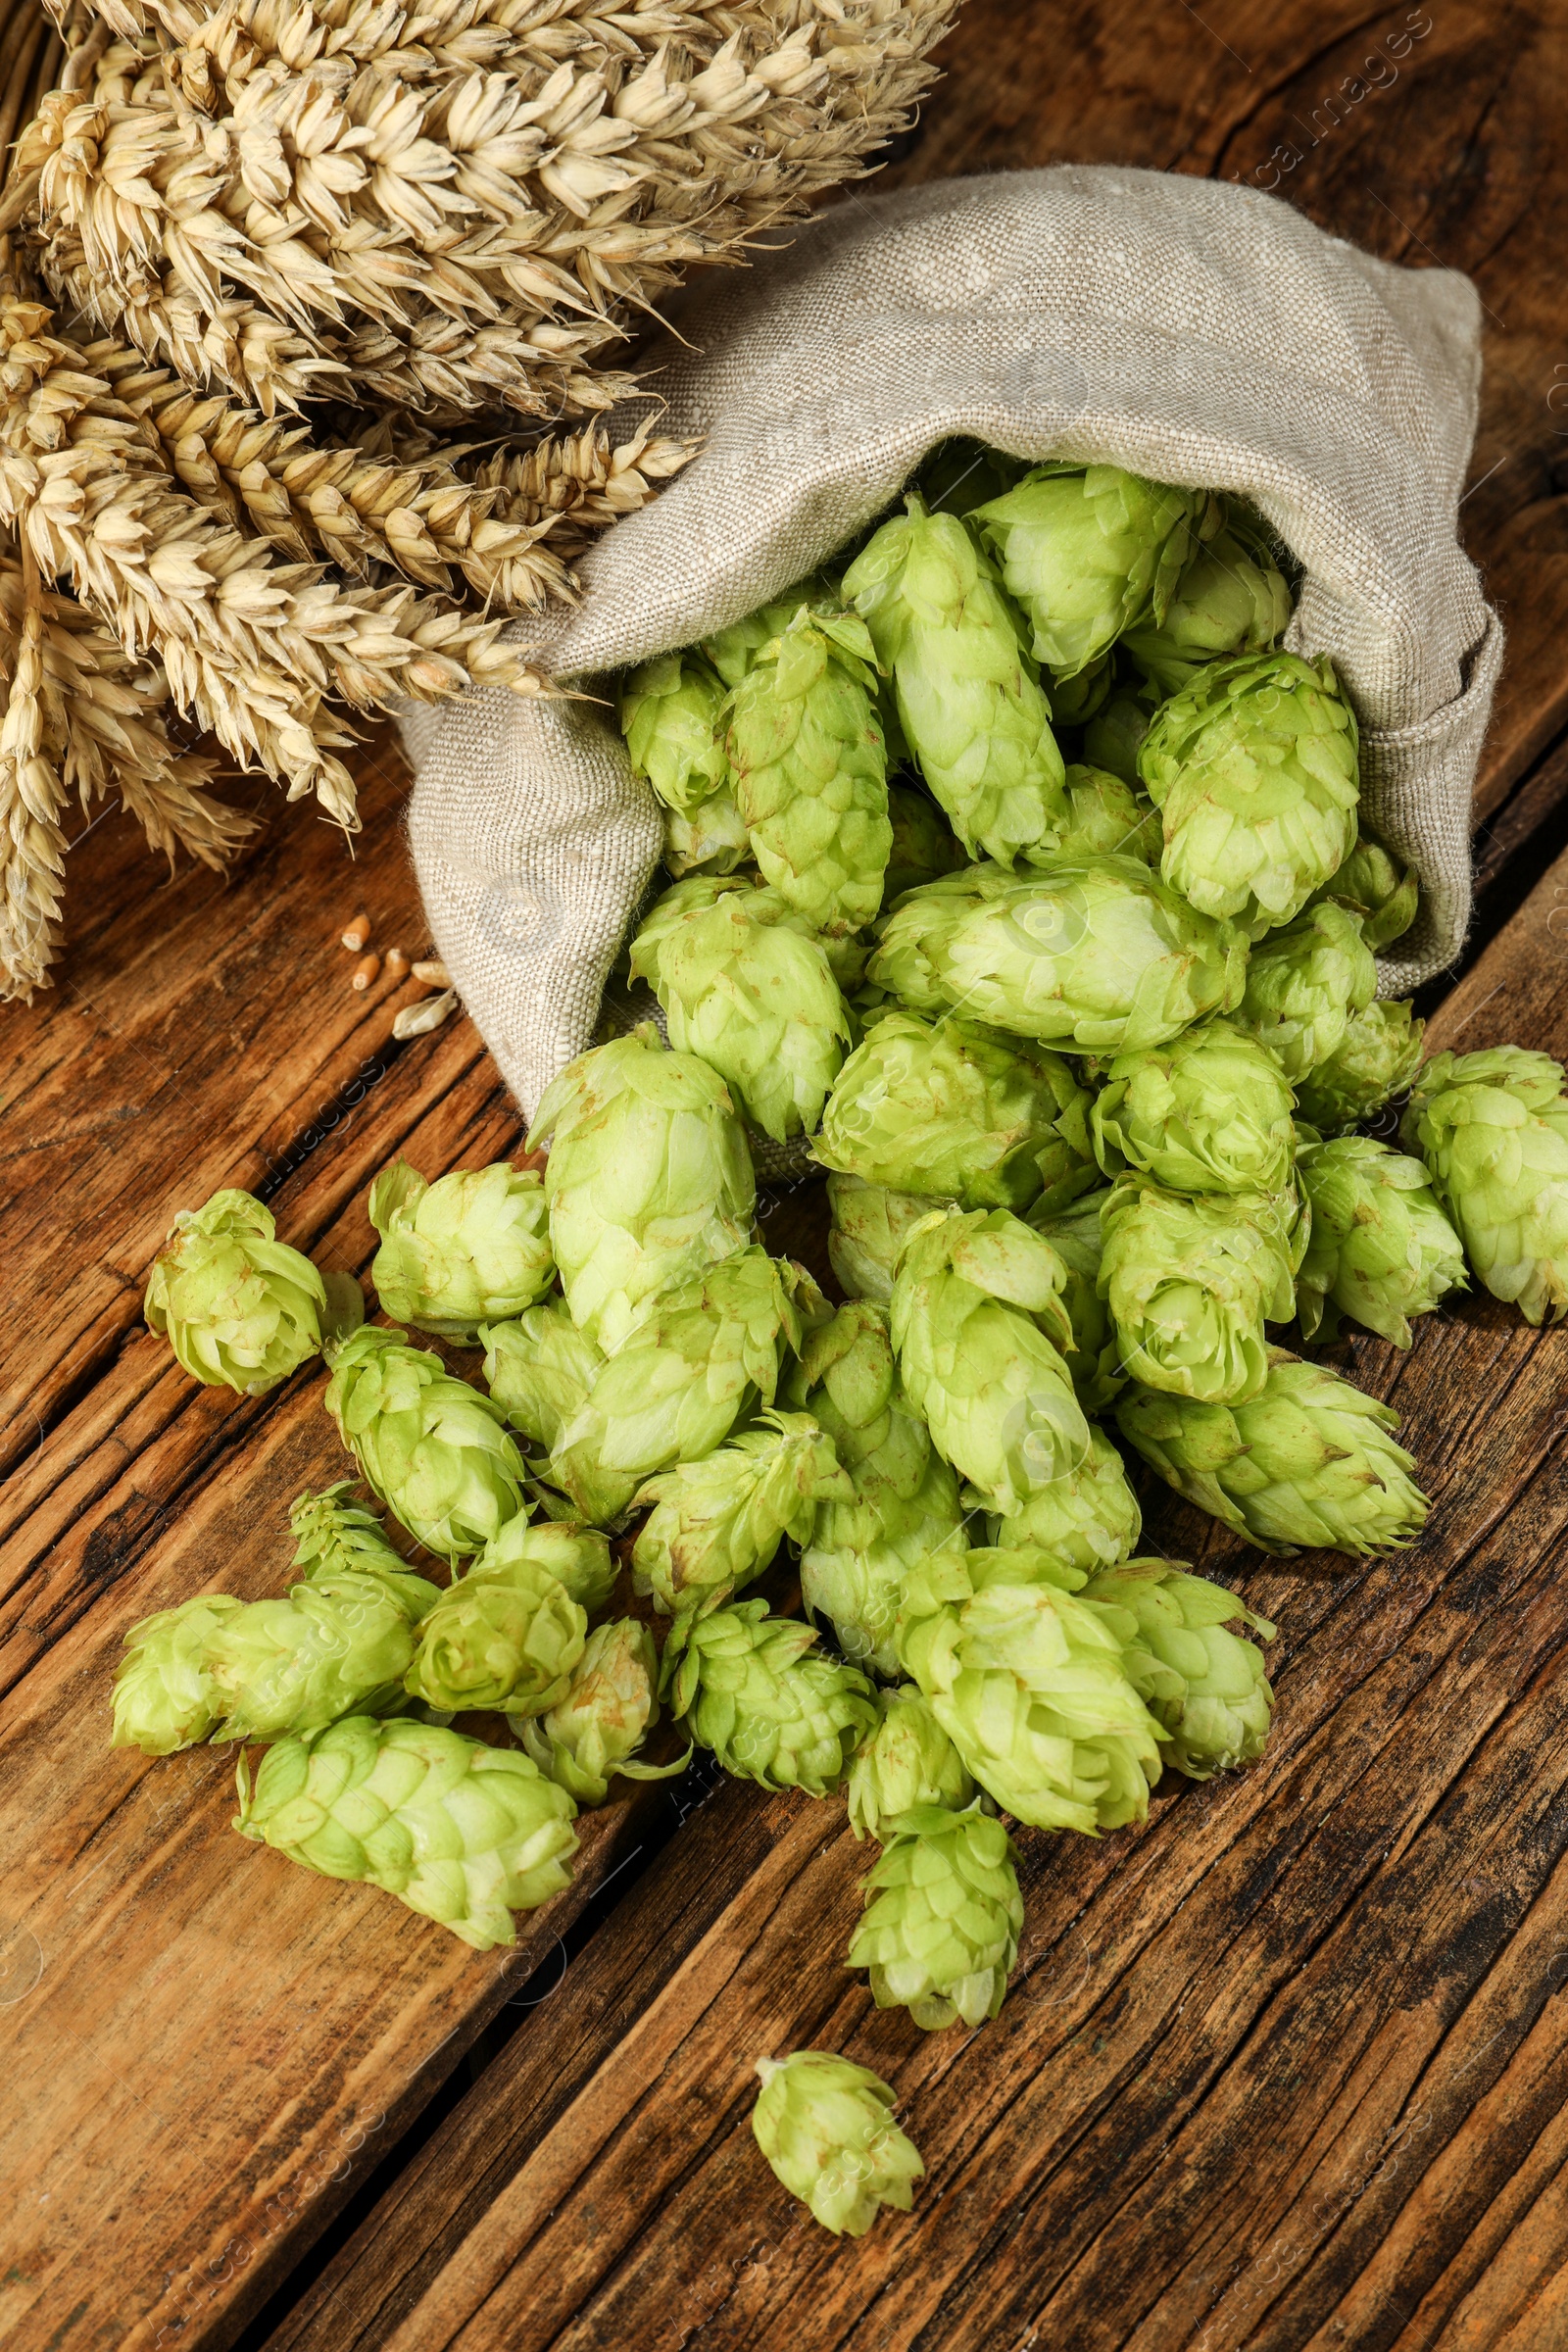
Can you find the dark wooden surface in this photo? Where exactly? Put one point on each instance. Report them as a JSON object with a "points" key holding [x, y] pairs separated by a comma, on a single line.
{"points": [[1281, 2070]]}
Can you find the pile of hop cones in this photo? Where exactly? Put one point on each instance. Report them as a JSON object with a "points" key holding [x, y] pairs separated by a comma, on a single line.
{"points": [[307, 308]]}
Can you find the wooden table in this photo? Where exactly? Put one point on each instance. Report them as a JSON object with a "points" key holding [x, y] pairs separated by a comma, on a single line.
{"points": [[1284, 2068]]}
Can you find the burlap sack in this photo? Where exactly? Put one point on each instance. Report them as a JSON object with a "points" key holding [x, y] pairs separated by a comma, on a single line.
{"points": [[1193, 330]]}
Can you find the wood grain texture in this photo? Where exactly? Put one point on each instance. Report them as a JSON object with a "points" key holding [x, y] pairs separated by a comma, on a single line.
{"points": [[1281, 2070]]}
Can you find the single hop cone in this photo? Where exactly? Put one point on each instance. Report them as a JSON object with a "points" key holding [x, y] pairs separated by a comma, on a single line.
{"points": [[428, 1445], [471, 1249], [1231, 598], [870, 1225], [907, 1765], [1087, 1521], [164, 1697], [1190, 1283], [825, 2125], [507, 1634], [239, 1309], [1304, 986], [1106, 818], [1381, 890], [334, 1645], [670, 713], [333, 1533], [1207, 1112], [539, 1369], [943, 1918], [1203, 1684], [756, 1692], [717, 1524], [1374, 1060], [1381, 1247], [594, 1730], [1493, 1130]]}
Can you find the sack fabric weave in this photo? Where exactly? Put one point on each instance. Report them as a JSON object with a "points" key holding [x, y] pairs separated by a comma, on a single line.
{"points": [[1192, 330]]}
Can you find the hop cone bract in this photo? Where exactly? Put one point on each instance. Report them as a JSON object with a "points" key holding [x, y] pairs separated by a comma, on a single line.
{"points": [[1377, 1058], [1255, 769], [1203, 1684], [1493, 1130], [952, 1109], [669, 716], [163, 1695], [461, 1833], [756, 1692], [979, 1327], [539, 1370], [717, 1524], [943, 1918], [239, 1309], [1208, 1111], [431, 1447], [1190, 1283], [1310, 1463], [907, 1763], [1380, 1248], [472, 1248], [1305, 984], [825, 2125], [649, 1177]]}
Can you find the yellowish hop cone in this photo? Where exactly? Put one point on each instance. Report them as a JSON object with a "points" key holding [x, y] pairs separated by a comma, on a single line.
{"points": [[827, 2126]]}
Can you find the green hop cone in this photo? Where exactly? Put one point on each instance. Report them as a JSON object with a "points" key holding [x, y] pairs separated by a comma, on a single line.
{"points": [[751, 994], [578, 1557], [1088, 1521], [717, 1524], [1203, 1684], [1031, 1687], [901, 1499], [869, 1227], [1189, 1284], [1115, 737], [825, 2125], [704, 1356], [733, 651], [756, 1692], [609, 1707], [1210, 1111], [1106, 818], [507, 1634], [163, 1695], [1308, 1464], [649, 1177], [924, 845], [431, 1447], [1380, 1248], [708, 839], [943, 1918], [969, 698], [332, 1646], [810, 766], [951, 1108], [1255, 769], [979, 1328], [669, 716], [1305, 984], [1374, 1059], [539, 1370], [461, 1833], [472, 1248], [902, 964], [1090, 552], [1094, 1357], [1232, 598], [240, 1309], [1385, 894], [332, 1534], [908, 1763], [1095, 954], [1493, 1130]]}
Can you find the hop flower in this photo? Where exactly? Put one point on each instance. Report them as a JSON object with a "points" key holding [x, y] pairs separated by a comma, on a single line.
{"points": [[1305, 984], [669, 714], [1382, 893], [1310, 1463], [609, 1707], [507, 1634], [943, 1918], [979, 1326], [1095, 954], [649, 1177], [902, 964], [1380, 1248], [1106, 818], [869, 1227], [240, 1309], [968, 697], [1189, 1284], [907, 1763], [1203, 1684], [1207, 1112], [809, 767], [1254, 768], [705, 1354], [461, 1833], [429, 1446], [333, 1534], [163, 1695], [756, 1691], [751, 994], [1231, 599], [717, 1524], [539, 1370], [579, 1558], [1030, 1684], [1376, 1058], [1493, 1130], [900, 1499], [1090, 552], [826, 2127], [471, 1249], [951, 1108], [1087, 1521], [334, 1645]]}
